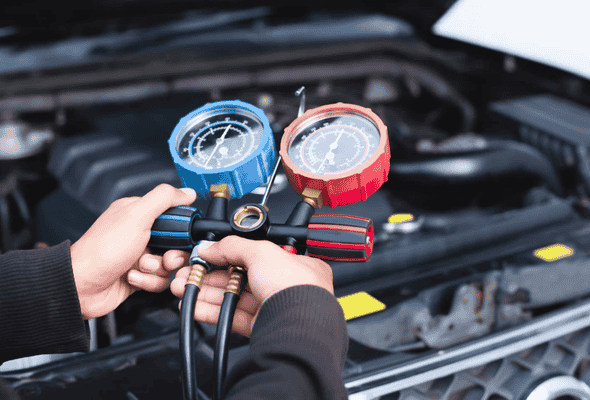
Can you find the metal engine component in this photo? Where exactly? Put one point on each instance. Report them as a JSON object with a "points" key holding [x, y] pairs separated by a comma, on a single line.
{"points": [[18, 140], [22, 149], [464, 142], [472, 314]]}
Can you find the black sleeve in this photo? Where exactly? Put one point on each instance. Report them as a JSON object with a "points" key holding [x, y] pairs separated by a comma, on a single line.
{"points": [[298, 348], [39, 307]]}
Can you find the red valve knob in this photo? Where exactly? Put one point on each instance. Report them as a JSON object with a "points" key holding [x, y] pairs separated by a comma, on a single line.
{"points": [[340, 237], [289, 249]]}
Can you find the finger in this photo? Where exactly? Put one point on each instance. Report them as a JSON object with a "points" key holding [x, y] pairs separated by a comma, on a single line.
{"points": [[150, 283], [179, 281], [152, 264], [209, 313], [215, 278], [234, 250], [161, 198], [175, 259]]}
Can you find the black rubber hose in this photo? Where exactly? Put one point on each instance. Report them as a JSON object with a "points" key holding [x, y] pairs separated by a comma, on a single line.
{"points": [[187, 329], [443, 90], [224, 325], [5, 235], [501, 158]]}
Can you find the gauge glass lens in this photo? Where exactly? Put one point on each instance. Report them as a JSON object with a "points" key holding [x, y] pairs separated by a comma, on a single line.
{"points": [[219, 138], [334, 142]]}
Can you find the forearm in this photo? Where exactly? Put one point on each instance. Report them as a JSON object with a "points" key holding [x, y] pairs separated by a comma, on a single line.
{"points": [[297, 349], [39, 308]]}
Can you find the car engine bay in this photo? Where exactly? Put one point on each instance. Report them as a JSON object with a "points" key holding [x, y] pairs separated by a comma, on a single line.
{"points": [[482, 229]]}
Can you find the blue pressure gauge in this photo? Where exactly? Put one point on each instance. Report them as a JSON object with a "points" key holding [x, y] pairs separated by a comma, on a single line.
{"points": [[224, 142]]}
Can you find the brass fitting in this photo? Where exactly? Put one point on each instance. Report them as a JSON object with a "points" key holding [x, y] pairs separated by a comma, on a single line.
{"points": [[219, 190], [236, 275], [313, 197], [248, 211], [196, 275]]}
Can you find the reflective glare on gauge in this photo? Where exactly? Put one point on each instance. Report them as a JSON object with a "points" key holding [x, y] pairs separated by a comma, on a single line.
{"points": [[219, 138], [334, 142]]}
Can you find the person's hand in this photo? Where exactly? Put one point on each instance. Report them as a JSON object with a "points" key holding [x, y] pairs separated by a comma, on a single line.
{"points": [[270, 270], [110, 261]]}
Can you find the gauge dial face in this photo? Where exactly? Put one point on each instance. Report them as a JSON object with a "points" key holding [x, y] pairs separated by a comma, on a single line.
{"points": [[334, 142], [219, 138]]}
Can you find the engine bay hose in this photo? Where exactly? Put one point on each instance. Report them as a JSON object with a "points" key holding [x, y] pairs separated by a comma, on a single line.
{"points": [[499, 159]]}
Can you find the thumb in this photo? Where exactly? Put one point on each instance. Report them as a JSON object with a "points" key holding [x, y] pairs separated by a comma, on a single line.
{"points": [[161, 198]]}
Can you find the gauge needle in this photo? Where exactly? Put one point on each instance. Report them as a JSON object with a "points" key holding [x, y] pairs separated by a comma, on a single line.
{"points": [[330, 156], [219, 143]]}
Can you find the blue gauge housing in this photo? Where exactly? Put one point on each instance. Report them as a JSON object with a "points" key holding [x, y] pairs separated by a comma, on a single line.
{"points": [[241, 177]]}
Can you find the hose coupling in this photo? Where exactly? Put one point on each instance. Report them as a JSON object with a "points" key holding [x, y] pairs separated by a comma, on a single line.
{"points": [[196, 275], [237, 280]]}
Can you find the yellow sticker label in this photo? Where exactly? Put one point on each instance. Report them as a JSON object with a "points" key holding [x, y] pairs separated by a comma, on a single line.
{"points": [[359, 304], [400, 218], [554, 252]]}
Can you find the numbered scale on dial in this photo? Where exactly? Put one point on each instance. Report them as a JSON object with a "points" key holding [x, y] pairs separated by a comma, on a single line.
{"points": [[334, 144], [219, 139]]}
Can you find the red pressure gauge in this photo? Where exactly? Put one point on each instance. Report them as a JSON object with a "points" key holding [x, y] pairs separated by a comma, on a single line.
{"points": [[339, 149]]}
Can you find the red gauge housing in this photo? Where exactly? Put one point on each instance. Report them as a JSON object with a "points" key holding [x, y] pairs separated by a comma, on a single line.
{"points": [[348, 187]]}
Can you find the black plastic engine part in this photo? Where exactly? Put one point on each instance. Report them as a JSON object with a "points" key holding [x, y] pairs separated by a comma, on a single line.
{"points": [[420, 250], [557, 127], [93, 171], [99, 169]]}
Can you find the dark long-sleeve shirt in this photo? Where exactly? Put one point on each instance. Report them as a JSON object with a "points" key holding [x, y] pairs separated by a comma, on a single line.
{"points": [[297, 349], [39, 308], [298, 344]]}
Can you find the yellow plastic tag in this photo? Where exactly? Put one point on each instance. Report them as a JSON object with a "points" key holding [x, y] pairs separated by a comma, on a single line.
{"points": [[554, 252], [359, 304], [400, 218]]}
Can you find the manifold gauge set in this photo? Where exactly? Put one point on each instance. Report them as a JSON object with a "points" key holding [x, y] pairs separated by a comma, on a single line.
{"points": [[333, 155]]}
